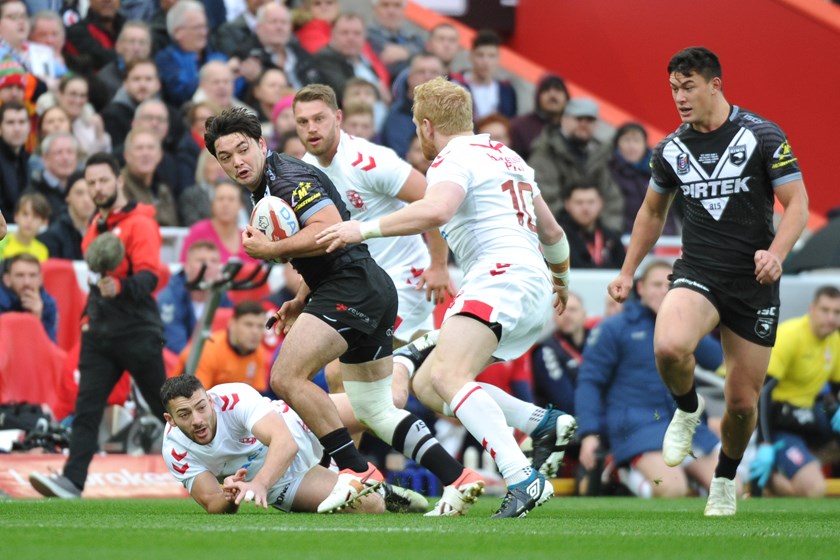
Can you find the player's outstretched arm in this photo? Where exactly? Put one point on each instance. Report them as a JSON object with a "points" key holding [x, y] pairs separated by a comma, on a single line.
{"points": [[271, 431], [209, 494], [794, 199], [646, 231]]}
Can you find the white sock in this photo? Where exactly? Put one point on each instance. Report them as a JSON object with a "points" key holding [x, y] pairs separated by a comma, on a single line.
{"points": [[483, 418], [523, 416], [406, 363]]}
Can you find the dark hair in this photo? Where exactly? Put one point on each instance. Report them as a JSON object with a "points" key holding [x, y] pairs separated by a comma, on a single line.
{"points": [[11, 106], [581, 186], [628, 127], [69, 77], [231, 121], [20, 257], [284, 138], [100, 158], [317, 92], [248, 307], [74, 177], [180, 386], [356, 82], [695, 59], [486, 38], [38, 202], [828, 291]]}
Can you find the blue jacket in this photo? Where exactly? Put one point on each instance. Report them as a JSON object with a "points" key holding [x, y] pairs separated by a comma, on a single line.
{"points": [[179, 72], [619, 393], [10, 302], [556, 366], [177, 313]]}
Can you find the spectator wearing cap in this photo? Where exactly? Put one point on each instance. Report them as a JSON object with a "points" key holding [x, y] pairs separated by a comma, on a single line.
{"points": [[63, 238], [282, 119], [570, 154], [12, 82], [549, 101]]}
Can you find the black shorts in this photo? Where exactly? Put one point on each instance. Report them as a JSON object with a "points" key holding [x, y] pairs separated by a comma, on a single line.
{"points": [[747, 308], [359, 301]]}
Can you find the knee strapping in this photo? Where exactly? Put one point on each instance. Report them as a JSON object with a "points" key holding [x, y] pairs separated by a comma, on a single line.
{"points": [[373, 405]]}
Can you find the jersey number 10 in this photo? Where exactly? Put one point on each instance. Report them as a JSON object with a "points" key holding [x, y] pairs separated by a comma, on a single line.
{"points": [[522, 198]]}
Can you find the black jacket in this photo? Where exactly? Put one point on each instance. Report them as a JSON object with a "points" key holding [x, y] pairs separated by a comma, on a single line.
{"points": [[13, 179], [62, 238]]}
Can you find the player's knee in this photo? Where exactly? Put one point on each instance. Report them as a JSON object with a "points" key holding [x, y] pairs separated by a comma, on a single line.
{"points": [[670, 352], [742, 408]]}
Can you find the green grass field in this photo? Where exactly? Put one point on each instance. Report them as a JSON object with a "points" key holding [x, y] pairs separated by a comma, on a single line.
{"points": [[565, 528]]}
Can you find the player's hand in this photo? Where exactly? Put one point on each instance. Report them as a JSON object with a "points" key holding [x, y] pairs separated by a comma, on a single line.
{"points": [[561, 298], [620, 288], [340, 235], [435, 279], [762, 466], [108, 287], [30, 300], [588, 446], [287, 315], [229, 487], [257, 244], [768, 267], [252, 491]]}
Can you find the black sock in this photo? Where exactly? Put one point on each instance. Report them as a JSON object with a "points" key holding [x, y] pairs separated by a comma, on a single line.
{"points": [[727, 466], [687, 402], [340, 447], [414, 440]]}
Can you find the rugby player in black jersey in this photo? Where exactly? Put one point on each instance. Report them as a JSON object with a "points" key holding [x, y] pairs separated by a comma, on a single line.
{"points": [[728, 164]]}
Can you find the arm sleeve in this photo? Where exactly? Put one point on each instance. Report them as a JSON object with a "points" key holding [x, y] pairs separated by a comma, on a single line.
{"points": [[49, 316], [781, 164], [144, 253]]}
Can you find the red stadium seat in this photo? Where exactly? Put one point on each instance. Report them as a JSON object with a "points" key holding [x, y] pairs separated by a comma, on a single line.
{"points": [[30, 363], [256, 293], [61, 283]]}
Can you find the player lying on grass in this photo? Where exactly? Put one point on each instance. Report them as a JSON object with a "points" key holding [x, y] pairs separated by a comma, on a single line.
{"points": [[229, 445]]}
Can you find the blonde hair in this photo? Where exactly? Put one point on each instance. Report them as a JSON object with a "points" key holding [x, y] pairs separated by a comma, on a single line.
{"points": [[446, 105]]}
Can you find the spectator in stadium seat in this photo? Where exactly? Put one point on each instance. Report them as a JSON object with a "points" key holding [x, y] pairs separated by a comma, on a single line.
{"points": [[192, 144], [399, 126], [52, 120], [60, 153], [550, 99], [141, 181], [489, 93], [358, 121], [235, 354], [223, 226], [157, 26], [291, 144], [85, 123], [345, 57], [133, 43], [443, 42], [215, 84], [63, 238], [591, 243], [389, 36], [621, 399], [630, 169], [798, 430], [357, 90], [14, 177], [23, 291], [282, 120], [90, 41], [275, 46], [265, 93], [186, 23], [32, 212], [48, 29], [155, 115], [141, 82], [558, 357], [497, 126], [229, 36], [194, 202], [180, 307], [570, 154]]}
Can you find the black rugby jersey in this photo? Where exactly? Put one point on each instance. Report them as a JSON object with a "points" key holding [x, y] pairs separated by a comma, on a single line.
{"points": [[307, 190], [726, 178]]}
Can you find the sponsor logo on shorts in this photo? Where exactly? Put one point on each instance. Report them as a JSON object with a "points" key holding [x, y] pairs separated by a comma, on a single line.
{"points": [[764, 327], [691, 283]]}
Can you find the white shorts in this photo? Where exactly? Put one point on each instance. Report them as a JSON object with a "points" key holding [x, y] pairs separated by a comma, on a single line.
{"points": [[414, 312], [282, 494], [517, 297]]}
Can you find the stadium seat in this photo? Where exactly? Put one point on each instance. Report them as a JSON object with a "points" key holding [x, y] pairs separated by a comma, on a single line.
{"points": [[61, 283], [30, 363]]}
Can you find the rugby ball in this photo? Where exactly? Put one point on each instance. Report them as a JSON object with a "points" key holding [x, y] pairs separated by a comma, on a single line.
{"points": [[275, 218]]}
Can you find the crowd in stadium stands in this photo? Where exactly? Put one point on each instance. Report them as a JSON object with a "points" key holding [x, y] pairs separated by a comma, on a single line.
{"points": [[139, 81]]}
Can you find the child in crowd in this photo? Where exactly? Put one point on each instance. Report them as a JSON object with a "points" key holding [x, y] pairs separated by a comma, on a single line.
{"points": [[32, 213]]}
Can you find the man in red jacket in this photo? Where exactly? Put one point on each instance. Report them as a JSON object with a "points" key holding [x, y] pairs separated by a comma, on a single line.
{"points": [[121, 327]]}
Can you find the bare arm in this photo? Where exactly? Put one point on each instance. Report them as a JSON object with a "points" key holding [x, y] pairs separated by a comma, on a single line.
{"points": [[794, 199], [208, 493], [646, 230], [436, 276], [549, 232], [272, 432]]}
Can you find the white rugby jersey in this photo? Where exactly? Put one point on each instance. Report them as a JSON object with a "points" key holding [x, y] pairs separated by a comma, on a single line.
{"points": [[238, 407], [369, 177], [495, 223]]}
